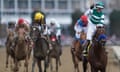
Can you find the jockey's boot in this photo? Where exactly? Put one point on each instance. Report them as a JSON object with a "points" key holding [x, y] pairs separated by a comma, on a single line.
{"points": [[85, 47]]}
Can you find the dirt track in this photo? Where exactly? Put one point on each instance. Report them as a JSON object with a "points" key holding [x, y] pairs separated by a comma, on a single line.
{"points": [[67, 65]]}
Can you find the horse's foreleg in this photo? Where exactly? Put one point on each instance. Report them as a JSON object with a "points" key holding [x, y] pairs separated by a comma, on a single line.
{"points": [[76, 63], [7, 57], [16, 66], [51, 67], [33, 64], [59, 61], [75, 60], [45, 64], [103, 70], [57, 64], [16, 61], [11, 62], [85, 64], [26, 63], [93, 69], [39, 65]]}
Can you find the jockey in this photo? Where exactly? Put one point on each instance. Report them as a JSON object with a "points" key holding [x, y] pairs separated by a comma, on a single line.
{"points": [[80, 25], [23, 27], [39, 19], [22, 23], [95, 17], [10, 28], [56, 28]]}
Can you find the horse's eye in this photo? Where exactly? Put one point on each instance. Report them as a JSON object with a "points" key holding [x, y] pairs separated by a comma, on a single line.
{"points": [[34, 29]]}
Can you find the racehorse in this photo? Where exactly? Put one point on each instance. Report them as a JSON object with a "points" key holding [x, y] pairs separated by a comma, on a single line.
{"points": [[97, 56], [77, 52], [9, 51], [41, 48], [55, 52], [21, 50]]}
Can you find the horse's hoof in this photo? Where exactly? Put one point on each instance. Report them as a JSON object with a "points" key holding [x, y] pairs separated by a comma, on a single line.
{"points": [[15, 69], [20, 65], [6, 66]]}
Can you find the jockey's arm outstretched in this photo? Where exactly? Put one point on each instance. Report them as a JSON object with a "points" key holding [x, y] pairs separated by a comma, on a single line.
{"points": [[95, 18]]}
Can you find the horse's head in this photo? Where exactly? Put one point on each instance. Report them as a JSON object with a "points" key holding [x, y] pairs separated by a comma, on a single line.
{"points": [[102, 39], [35, 32], [100, 36], [99, 30]]}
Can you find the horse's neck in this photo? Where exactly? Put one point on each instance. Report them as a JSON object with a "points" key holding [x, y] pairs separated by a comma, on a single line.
{"points": [[21, 32], [78, 47], [98, 50]]}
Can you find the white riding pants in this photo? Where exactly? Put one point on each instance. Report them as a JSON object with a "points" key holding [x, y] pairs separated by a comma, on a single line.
{"points": [[90, 30], [78, 30]]}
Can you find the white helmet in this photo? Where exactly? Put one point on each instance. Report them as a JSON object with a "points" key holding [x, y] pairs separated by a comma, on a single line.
{"points": [[53, 21]]}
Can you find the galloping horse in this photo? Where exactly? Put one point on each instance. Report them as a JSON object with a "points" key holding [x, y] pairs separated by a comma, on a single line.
{"points": [[9, 51], [21, 50], [55, 52], [41, 48], [97, 56], [77, 52]]}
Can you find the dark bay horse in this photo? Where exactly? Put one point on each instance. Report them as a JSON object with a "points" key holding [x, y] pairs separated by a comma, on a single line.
{"points": [[41, 48], [55, 52], [97, 56], [9, 51], [77, 52], [21, 50]]}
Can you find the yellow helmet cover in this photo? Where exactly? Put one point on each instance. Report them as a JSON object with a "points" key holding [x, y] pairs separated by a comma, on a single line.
{"points": [[38, 16]]}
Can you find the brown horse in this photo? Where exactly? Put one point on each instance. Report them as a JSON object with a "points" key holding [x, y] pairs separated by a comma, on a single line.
{"points": [[21, 50], [9, 51], [97, 56], [77, 52], [55, 52], [41, 49]]}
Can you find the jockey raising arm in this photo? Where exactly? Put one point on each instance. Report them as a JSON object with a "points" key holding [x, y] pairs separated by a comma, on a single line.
{"points": [[95, 18], [81, 25]]}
